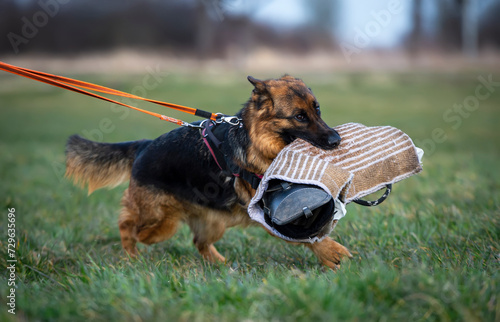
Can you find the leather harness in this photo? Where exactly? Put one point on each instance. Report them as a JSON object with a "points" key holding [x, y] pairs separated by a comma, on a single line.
{"points": [[214, 134]]}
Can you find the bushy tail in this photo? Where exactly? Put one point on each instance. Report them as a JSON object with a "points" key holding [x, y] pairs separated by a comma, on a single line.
{"points": [[100, 164]]}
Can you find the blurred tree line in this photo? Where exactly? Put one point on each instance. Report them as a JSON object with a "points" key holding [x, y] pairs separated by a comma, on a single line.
{"points": [[200, 28], [466, 25], [207, 28]]}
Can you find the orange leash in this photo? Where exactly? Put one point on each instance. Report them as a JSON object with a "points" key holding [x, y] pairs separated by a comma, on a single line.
{"points": [[79, 86]]}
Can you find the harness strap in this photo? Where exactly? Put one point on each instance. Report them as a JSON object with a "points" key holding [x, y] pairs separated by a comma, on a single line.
{"points": [[227, 166], [252, 178], [206, 132]]}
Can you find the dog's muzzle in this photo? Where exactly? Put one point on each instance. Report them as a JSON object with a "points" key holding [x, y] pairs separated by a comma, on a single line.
{"points": [[333, 139]]}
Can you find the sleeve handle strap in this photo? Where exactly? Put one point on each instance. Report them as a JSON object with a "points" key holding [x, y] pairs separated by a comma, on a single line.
{"points": [[375, 202]]}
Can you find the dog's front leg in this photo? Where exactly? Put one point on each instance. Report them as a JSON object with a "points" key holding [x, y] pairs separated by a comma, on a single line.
{"points": [[208, 227], [329, 252], [210, 253]]}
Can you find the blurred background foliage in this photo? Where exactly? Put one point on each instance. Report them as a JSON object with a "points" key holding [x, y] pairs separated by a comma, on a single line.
{"points": [[225, 29]]}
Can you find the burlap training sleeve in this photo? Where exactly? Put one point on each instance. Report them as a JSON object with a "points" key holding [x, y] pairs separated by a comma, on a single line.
{"points": [[367, 159]]}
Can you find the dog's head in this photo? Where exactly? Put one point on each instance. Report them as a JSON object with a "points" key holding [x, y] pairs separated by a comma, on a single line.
{"points": [[281, 110]]}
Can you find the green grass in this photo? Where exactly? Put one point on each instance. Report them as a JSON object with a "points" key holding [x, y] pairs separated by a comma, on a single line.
{"points": [[430, 252]]}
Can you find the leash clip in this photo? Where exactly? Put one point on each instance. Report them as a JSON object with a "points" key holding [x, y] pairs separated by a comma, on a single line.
{"points": [[195, 125], [231, 120]]}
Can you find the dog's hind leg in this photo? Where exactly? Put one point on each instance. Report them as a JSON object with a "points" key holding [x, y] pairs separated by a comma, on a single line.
{"points": [[161, 225], [207, 229], [147, 217], [329, 252]]}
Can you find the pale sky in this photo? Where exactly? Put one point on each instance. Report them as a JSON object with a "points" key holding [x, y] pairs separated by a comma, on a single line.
{"points": [[354, 15]]}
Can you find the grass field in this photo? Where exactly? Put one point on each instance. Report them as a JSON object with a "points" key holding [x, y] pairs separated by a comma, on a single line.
{"points": [[430, 252]]}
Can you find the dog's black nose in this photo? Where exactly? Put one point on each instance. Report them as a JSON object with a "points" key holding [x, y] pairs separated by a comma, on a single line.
{"points": [[334, 139]]}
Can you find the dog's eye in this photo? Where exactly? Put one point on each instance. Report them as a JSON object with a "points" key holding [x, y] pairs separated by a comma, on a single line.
{"points": [[316, 106], [301, 117]]}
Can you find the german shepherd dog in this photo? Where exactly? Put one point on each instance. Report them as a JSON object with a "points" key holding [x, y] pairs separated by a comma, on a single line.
{"points": [[175, 178]]}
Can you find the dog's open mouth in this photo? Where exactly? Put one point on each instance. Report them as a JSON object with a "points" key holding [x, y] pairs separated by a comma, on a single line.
{"points": [[288, 138]]}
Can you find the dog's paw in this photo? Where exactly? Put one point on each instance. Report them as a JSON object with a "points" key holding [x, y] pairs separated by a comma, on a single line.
{"points": [[130, 254], [330, 253], [210, 254]]}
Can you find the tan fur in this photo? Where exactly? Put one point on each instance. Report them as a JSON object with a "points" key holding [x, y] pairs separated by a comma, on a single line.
{"points": [[266, 143], [94, 176], [329, 252], [151, 216], [86, 166]]}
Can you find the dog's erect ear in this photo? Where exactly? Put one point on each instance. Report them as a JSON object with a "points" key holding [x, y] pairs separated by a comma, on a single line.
{"points": [[259, 85], [288, 77]]}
